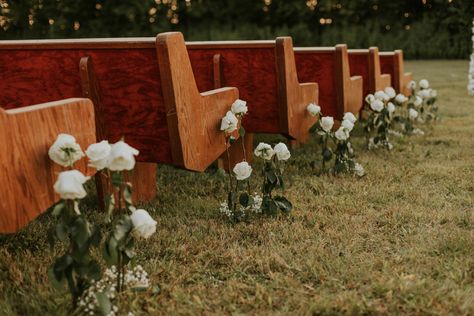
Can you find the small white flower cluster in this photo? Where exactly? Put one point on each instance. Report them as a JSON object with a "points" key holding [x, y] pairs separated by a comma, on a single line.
{"points": [[255, 208], [266, 152], [385, 100], [88, 304], [470, 85], [230, 121]]}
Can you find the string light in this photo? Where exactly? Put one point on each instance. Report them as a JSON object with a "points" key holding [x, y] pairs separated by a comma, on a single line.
{"points": [[311, 4]]}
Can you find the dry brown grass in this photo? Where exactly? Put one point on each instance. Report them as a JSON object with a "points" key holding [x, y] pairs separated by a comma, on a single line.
{"points": [[399, 240]]}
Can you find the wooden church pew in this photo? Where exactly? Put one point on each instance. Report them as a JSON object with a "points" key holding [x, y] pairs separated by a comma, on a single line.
{"points": [[392, 63], [143, 90], [329, 67], [26, 172], [366, 63]]}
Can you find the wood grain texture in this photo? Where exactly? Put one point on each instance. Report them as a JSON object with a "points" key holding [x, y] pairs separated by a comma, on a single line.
{"points": [[329, 67], [252, 67], [193, 118], [26, 172], [366, 63], [393, 64]]}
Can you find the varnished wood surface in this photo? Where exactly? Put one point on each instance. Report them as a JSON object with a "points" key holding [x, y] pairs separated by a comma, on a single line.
{"points": [[393, 64], [26, 172]]}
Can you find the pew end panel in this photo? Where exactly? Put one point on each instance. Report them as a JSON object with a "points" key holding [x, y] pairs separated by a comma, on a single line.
{"points": [[26, 171]]}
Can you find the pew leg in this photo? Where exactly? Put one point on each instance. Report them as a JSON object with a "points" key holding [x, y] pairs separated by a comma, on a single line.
{"points": [[294, 144], [236, 153], [143, 179]]}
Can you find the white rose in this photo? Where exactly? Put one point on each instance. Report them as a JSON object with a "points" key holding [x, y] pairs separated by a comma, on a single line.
{"points": [[413, 114], [69, 185], [390, 92], [425, 93], [99, 154], [348, 125], [65, 151], [369, 98], [242, 170], [327, 123], [400, 98], [282, 151], [381, 95], [313, 109], [239, 107], [412, 85], [264, 151], [434, 93], [229, 122], [377, 105], [341, 134], [122, 157], [418, 101], [143, 224], [349, 117], [424, 84], [359, 170], [390, 107]]}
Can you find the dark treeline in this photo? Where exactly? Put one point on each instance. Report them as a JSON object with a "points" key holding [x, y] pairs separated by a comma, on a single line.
{"points": [[422, 28]]}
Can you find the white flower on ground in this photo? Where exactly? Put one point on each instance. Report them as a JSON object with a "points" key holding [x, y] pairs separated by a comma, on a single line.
{"points": [[229, 122], [417, 131], [282, 151], [65, 151], [341, 134], [347, 124], [350, 117], [381, 95], [424, 84], [327, 123], [359, 170], [377, 105], [98, 154], [417, 101], [143, 224], [400, 98], [122, 157], [242, 170], [313, 109], [69, 185], [239, 107], [413, 114], [264, 151], [390, 92], [412, 85], [370, 98], [390, 107]]}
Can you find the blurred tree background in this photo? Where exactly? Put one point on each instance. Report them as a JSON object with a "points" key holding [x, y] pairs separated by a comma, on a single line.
{"points": [[422, 28]]}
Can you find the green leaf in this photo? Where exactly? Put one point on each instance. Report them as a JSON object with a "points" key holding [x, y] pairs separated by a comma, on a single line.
{"points": [[269, 206], [110, 252], [327, 154], [61, 231], [232, 140], [117, 179], [103, 303], [58, 208], [123, 227], [244, 199], [110, 206], [80, 231], [127, 194], [283, 204], [242, 131], [231, 199], [271, 176], [93, 270], [56, 278], [62, 263]]}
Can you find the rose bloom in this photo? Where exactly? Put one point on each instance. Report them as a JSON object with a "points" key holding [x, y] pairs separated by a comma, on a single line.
{"points": [[282, 151], [327, 123], [65, 151], [390, 92], [377, 105], [341, 134], [69, 185], [242, 170], [239, 107], [98, 154], [264, 151], [122, 157], [143, 224], [349, 117], [313, 109], [229, 122]]}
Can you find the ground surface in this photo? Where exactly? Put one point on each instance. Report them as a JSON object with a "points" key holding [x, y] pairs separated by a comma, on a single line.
{"points": [[400, 240]]}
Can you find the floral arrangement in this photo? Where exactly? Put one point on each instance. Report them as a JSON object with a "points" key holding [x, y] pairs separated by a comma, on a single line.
{"points": [[77, 267]]}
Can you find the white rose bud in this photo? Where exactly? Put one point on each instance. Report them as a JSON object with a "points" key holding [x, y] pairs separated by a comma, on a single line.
{"points": [[242, 170], [122, 157], [425, 93], [65, 151], [341, 134], [282, 151], [313, 109], [349, 117], [239, 107], [412, 85], [381, 95], [69, 185], [327, 123], [370, 98], [229, 122], [424, 84], [377, 105], [143, 224], [434, 93], [390, 92], [418, 101], [413, 114], [348, 125], [390, 107], [264, 151], [99, 154], [400, 98]]}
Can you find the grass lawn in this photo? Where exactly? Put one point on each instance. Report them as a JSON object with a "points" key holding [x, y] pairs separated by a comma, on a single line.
{"points": [[400, 240]]}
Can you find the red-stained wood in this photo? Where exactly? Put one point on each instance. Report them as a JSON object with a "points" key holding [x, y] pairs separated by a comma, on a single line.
{"points": [[366, 63], [26, 172], [329, 67], [393, 64]]}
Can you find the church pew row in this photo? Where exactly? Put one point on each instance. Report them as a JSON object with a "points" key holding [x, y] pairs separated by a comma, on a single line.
{"points": [[392, 63], [26, 172]]}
